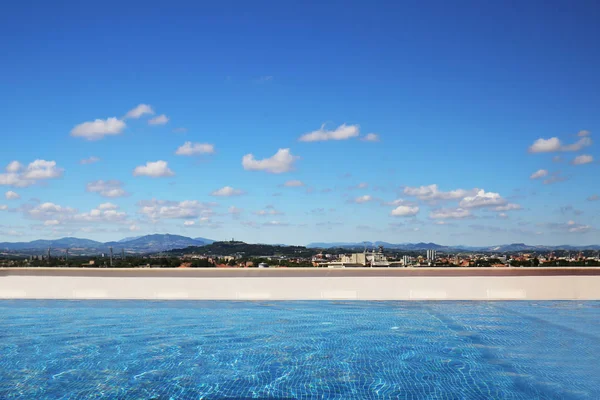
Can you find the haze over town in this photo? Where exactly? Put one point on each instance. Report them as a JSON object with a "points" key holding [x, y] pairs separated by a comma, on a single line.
{"points": [[254, 124]]}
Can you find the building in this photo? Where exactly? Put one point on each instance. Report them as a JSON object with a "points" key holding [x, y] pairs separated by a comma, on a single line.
{"points": [[431, 255], [373, 259]]}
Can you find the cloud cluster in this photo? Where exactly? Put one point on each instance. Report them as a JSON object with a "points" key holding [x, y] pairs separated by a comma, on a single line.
{"points": [[280, 162], [554, 178], [405, 211], [137, 112], [89, 160], [192, 149], [363, 199], [18, 175], [540, 173], [482, 199], [449, 213], [342, 132], [432, 193], [582, 159], [508, 207], [111, 188], [10, 195], [154, 169], [227, 191], [158, 120], [554, 145], [570, 227], [268, 211], [371, 137], [53, 214], [164, 209], [99, 128], [293, 183]]}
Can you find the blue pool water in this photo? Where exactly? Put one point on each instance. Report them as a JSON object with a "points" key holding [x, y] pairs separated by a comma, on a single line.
{"points": [[301, 350]]}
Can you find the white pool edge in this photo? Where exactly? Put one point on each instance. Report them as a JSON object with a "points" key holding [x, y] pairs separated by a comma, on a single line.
{"points": [[302, 288]]}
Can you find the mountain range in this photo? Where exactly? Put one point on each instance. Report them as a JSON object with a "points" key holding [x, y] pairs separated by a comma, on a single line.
{"points": [[140, 244], [165, 242], [434, 246]]}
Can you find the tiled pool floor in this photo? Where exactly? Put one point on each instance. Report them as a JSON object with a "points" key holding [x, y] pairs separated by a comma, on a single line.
{"points": [[302, 350]]}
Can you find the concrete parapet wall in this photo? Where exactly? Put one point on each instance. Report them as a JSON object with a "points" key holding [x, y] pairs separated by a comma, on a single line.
{"points": [[291, 285]]}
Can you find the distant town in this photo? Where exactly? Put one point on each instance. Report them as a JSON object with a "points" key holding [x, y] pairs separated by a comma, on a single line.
{"points": [[73, 253]]}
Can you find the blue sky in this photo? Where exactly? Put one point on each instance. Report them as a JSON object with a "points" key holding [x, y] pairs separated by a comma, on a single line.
{"points": [[462, 123]]}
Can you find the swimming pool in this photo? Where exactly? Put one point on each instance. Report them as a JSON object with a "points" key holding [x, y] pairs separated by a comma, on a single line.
{"points": [[302, 350]]}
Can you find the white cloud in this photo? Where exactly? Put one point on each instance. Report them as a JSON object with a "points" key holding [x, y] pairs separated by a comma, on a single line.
{"points": [[90, 160], [227, 191], [555, 177], [268, 211], [50, 211], [582, 159], [405, 211], [134, 228], [371, 137], [276, 223], [12, 179], [363, 199], [163, 209], [108, 206], [19, 176], [294, 183], [574, 227], [584, 133], [104, 213], [554, 144], [112, 188], [154, 169], [482, 199], [342, 132], [508, 207], [3, 207], [97, 129], [580, 144], [234, 210], [400, 202], [140, 110], [191, 149], [54, 214], [14, 167], [161, 119], [540, 173], [189, 223], [280, 162], [10, 195], [42, 169], [449, 213], [432, 193]]}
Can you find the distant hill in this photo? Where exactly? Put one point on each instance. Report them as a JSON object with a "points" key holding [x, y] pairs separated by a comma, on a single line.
{"points": [[155, 243], [513, 247], [361, 245], [128, 239], [140, 244], [165, 242], [204, 240], [67, 242], [241, 248]]}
